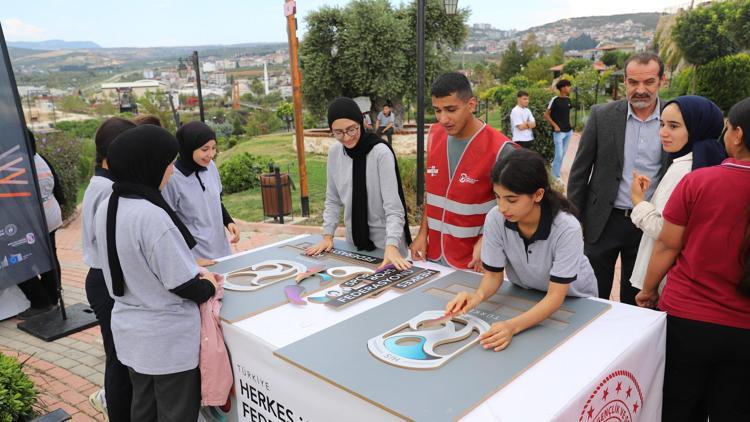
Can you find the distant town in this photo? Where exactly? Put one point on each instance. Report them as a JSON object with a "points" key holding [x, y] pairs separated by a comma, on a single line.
{"points": [[48, 72]]}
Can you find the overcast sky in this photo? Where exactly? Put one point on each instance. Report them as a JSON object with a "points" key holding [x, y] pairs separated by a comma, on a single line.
{"points": [[151, 23]]}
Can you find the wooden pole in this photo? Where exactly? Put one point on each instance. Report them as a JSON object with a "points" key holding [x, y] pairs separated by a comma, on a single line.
{"points": [[290, 10]]}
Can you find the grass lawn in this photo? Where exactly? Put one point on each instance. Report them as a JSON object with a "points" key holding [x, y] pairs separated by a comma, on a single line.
{"points": [[248, 205]]}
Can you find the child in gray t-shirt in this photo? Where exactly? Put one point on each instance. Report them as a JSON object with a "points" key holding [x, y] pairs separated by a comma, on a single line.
{"points": [[145, 254], [532, 236]]}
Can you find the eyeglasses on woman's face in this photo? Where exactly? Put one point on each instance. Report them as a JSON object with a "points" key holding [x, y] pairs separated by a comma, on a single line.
{"points": [[350, 132]]}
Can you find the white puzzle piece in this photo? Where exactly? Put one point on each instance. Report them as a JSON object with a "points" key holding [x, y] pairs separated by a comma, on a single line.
{"points": [[412, 346], [262, 274]]}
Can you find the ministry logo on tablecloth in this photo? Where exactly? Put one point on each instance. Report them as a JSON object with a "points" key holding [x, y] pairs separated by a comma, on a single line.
{"points": [[618, 397]]}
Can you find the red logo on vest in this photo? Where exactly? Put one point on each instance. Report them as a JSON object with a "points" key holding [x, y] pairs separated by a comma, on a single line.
{"points": [[617, 398]]}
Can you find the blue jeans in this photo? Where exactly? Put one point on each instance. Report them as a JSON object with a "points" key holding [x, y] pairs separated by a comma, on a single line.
{"points": [[561, 140]]}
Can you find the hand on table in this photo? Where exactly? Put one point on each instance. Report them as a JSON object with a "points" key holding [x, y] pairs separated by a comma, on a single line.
{"points": [[476, 258], [462, 303], [647, 298], [204, 262], [418, 248], [324, 245], [498, 337], [393, 256]]}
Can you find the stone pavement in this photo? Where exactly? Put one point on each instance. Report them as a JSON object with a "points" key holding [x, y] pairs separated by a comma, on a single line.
{"points": [[67, 370]]}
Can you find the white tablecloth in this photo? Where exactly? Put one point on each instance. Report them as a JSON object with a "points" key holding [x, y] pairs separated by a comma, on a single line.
{"points": [[612, 368]]}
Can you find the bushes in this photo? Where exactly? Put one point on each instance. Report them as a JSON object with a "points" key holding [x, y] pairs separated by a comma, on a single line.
{"points": [[84, 131], [262, 122], [407, 167], [679, 85], [17, 392], [81, 129], [587, 82], [240, 172], [64, 153], [576, 65], [725, 80]]}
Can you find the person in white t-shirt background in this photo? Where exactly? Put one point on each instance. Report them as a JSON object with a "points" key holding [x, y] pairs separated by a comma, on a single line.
{"points": [[522, 121]]}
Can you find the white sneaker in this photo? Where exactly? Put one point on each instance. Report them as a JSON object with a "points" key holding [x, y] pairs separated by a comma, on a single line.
{"points": [[98, 401]]}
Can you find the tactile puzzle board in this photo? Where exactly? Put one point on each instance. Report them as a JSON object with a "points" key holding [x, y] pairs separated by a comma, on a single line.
{"points": [[236, 304], [340, 355]]}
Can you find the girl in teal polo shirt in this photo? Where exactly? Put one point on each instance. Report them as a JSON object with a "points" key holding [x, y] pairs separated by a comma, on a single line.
{"points": [[533, 236]]}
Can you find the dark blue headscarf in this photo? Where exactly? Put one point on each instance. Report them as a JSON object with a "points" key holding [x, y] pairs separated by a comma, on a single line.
{"points": [[704, 122]]}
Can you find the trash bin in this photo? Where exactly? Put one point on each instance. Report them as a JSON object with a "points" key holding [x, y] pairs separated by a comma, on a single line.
{"points": [[273, 186]]}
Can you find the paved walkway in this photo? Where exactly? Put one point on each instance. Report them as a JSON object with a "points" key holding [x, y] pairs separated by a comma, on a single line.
{"points": [[67, 370]]}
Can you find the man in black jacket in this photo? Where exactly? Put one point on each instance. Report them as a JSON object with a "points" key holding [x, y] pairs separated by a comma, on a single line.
{"points": [[619, 137]]}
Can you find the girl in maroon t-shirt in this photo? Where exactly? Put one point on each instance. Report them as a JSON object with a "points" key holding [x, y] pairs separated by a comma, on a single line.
{"points": [[705, 246]]}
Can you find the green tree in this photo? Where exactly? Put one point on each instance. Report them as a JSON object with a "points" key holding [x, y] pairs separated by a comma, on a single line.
{"points": [[339, 55], [73, 104], [615, 58], [538, 100], [511, 62], [237, 128], [481, 76], [702, 35], [738, 24], [247, 97], [557, 53], [262, 122], [539, 69], [519, 82], [284, 109], [530, 47], [443, 34], [79, 129], [576, 65], [725, 80], [587, 83], [105, 108], [257, 87], [581, 42], [157, 104]]}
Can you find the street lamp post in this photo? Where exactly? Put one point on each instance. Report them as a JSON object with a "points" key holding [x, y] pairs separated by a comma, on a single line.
{"points": [[182, 71], [451, 8], [420, 102], [196, 66]]}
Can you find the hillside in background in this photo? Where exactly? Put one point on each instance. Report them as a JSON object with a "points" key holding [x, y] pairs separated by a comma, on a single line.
{"points": [[626, 28], [648, 20], [54, 45]]}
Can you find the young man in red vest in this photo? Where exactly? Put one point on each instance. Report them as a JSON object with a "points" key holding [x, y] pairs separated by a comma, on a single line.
{"points": [[461, 151]]}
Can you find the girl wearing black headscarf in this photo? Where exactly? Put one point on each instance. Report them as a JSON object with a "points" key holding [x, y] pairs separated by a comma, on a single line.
{"points": [[690, 128], [153, 278], [194, 192], [117, 387], [363, 177]]}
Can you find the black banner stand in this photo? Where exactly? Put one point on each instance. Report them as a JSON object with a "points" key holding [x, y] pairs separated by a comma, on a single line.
{"points": [[48, 326]]}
